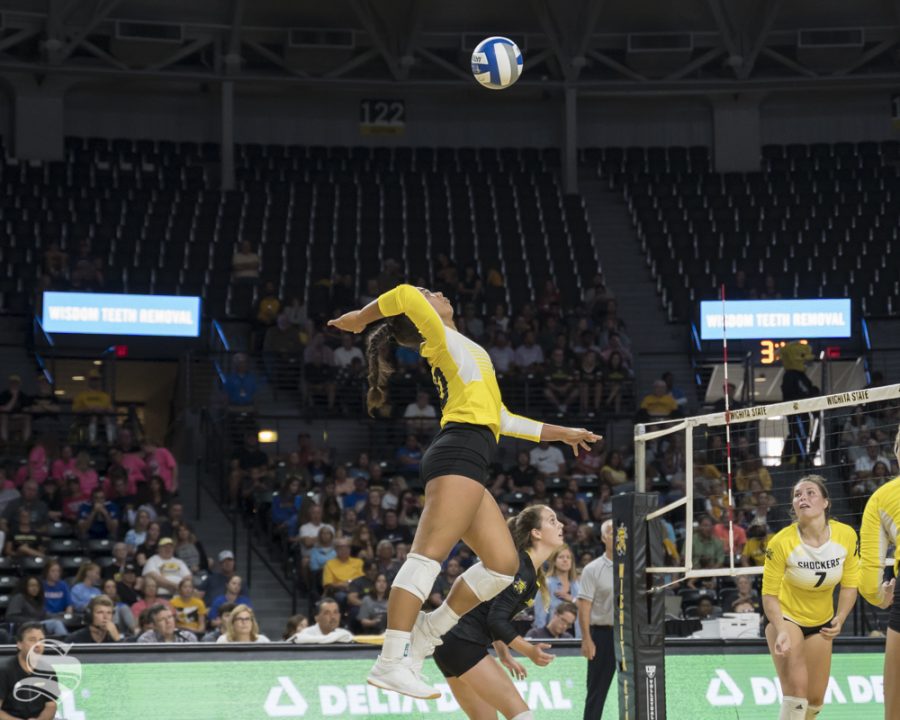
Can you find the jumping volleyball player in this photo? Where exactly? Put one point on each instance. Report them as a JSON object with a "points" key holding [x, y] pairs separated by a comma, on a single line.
{"points": [[454, 469], [879, 530], [478, 683], [803, 564]]}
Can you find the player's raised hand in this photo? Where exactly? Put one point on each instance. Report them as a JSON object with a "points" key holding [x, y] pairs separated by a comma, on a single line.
{"points": [[349, 322], [579, 439]]}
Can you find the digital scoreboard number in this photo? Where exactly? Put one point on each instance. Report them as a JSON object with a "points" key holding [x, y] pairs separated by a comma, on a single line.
{"points": [[770, 350]]}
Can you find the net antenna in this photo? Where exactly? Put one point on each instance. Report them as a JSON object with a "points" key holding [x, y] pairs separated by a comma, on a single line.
{"points": [[768, 415], [730, 509]]}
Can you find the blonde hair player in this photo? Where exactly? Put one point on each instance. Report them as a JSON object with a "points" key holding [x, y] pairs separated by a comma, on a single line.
{"points": [[879, 530], [477, 681], [804, 562], [454, 469]]}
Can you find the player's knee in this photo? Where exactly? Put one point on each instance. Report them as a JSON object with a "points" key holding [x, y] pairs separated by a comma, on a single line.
{"points": [[487, 583]]}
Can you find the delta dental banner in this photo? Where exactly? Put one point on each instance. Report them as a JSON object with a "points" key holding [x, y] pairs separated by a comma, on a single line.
{"points": [[776, 319], [700, 687], [113, 314]]}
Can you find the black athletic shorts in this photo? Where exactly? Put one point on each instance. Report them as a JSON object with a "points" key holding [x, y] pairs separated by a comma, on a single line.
{"points": [[460, 449], [457, 656], [808, 630], [894, 617]]}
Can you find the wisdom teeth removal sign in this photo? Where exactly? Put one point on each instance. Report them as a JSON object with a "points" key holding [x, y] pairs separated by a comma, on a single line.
{"points": [[114, 314]]}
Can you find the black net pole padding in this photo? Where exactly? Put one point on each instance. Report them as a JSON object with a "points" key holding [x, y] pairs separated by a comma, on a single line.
{"points": [[638, 615]]}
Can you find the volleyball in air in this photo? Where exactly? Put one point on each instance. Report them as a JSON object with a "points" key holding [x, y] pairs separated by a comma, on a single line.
{"points": [[496, 63]]}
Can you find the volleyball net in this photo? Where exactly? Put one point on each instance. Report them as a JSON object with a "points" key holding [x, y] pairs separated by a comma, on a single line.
{"points": [[712, 490]]}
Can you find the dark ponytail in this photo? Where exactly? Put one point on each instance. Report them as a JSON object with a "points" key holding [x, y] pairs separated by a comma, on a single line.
{"points": [[520, 527], [399, 329]]}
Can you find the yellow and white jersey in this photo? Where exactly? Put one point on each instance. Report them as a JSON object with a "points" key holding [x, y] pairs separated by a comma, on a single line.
{"points": [[878, 532], [461, 369], [803, 577]]}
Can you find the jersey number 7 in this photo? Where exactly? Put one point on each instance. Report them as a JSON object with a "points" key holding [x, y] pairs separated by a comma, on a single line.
{"points": [[821, 576]]}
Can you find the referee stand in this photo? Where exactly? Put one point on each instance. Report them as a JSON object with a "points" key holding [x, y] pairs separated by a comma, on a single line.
{"points": [[638, 614]]}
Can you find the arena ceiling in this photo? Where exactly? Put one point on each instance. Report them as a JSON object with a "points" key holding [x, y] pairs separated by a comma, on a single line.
{"points": [[594, 45]]}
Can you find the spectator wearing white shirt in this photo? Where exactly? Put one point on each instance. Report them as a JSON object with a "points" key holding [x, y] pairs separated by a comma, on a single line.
{"points": [[166, 569], [241, 627], [502, 355], [529, 355], [420, 416], [548, 460], [326, 628], [865, 464], [347, 352]]}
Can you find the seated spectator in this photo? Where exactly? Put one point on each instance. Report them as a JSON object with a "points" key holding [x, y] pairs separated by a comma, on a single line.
{"points": [[247, 462], [615, 346], [190, 610], [64, 467], [559, 626], [529, 357], [100, 626], [225, 611], [166, 569], [751, 469], [362, 541], [27, 605], [613, 472], [444, 581], [548, 460], [241, 627], [295, 623], [617, 376], [746, 595], [319, 371], [503, 357], [16, 674], [128, 585], [560, 386], [120, 560], [326, 628], [24, 539], [149, 598], [562, 586], [57, 601], [410, 508], [12, 409], [340, 570], [392, 530], [148, 548], [323, 551], [720, 530], [716, 503], [87, 477], [372, 615], [371, 513], [282, 353], [241, 384], [38, 512], [706, 546], [43, 409], [36, 467], [138, 533], [706, 610], [421, 417], [153, 498], [86, 586], [361, 588], [174, 518], [217, 581], [122, 617], [245, 265], [95, 405], [386, 558], [659, 404], [164, 629], [676, 392], [232, 595], [189, 549], [862, 469], [574, 507], [162, 463], [99, 518], [286, 504]]}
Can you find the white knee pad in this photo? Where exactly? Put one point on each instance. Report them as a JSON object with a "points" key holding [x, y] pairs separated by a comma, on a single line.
{"points": [[793, 708], [527, 715], [486, 583], [417, 575], [812, 712]]}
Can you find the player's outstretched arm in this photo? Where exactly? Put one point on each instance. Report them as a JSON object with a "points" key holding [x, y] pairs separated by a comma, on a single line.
{"points": [[576, 438]]}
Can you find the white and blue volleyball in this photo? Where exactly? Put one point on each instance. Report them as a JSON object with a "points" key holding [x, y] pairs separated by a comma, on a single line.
{"points": [[496, 63]]}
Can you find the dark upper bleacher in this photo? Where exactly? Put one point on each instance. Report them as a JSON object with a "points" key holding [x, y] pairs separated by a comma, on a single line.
{"points": [[151, 211], [821, 219]]}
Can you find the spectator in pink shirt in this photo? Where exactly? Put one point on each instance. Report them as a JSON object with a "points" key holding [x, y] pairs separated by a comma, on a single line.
{"points": [[37, 467], [85, 474], [161, 462], [133, 465], [65, 466]]}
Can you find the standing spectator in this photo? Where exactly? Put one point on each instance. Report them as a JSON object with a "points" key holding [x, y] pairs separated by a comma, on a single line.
{"points": [[166, 569], [27, 605], [16, 673], [340, 570], [162, 463], [241, 384], [559, 626], [98, 519], [86, 585], [548, 460], [100, 627], [595, 618], [562, 585], [245, 265], [95, 405], [190, 610], [56, 590], [421, 417], [373, 610], [12, 407], [241, 627], [122, 617], [232, 594], [326, 628], [164, 629]]}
